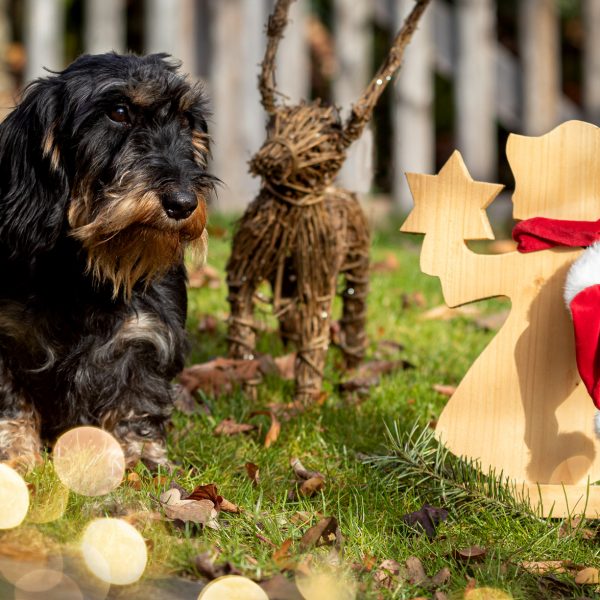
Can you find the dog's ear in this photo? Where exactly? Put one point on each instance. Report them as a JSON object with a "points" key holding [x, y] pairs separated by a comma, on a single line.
{"points": [[34, 187]]}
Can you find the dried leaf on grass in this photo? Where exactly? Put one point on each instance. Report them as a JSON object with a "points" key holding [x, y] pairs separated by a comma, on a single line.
{"points": [[176, 508], [470, 553], [574, 526], [208, 568], [210, 492], [282, 556], [445, 313], [390, 573], [208, 324], [493, 321], [274, 429], [414, 299], [369, 374], [205, 276], [443, 389], [302, 472], [220, 376], [389, 264], [253, 473], [427, 518], [325, 533], [587, 576], [232, 427]]}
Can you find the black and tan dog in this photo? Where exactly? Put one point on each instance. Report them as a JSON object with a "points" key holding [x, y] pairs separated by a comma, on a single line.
{"points": [[102, 186]]}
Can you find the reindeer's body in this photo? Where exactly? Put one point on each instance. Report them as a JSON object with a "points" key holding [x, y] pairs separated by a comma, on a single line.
{"points": [[301, 233], [304, 312]]}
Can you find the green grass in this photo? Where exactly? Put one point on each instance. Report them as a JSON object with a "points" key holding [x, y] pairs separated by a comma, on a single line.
{"points": [[368, 502]]}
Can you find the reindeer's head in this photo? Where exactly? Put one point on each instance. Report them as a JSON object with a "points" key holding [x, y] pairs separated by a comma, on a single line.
{"points": [[304, 149], [306, 144]]}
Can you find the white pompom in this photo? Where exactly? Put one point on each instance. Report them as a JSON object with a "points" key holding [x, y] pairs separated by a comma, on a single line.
{"points": [[584, 273]]}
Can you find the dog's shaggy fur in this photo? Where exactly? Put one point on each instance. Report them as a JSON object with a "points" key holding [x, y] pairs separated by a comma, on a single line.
{"points": [[102, 186]]}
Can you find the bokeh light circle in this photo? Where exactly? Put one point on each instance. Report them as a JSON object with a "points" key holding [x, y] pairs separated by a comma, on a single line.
{"points": [[233, 587], [14, 498], [89, 461], [39, 580], [326, 585], [65, 589], [114, 551]]}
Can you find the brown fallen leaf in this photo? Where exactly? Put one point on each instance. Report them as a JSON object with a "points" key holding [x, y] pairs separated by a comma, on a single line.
{"points": [[185, 401], [542, 567], [229, 507], [232, 427], [471, 553], [210, 492], [206, 566], [204, 276], [134, 481], [415, 573], [142, 517], [444, 390], [587, 576], [416, 299], [426, 519], [311, 486], [492, 322], [389, 264], [175, 508], [445, 313], [300, 518], [253, 473], [282, 556], [574, 526], [387, 573], [441, 577], [369, 374], [274, 429], [325, 533], [220, 376], [208, 324], [302, 472]]}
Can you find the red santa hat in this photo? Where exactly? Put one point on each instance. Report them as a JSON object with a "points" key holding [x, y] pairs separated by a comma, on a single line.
{"points": [[582, 295], [582, 287]]}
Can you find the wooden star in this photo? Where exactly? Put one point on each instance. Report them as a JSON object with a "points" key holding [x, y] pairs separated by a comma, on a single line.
{"points": [[451, 202]]}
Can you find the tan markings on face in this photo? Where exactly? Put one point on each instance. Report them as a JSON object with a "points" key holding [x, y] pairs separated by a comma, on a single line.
{"points": [[200, 142], [131, 239]]}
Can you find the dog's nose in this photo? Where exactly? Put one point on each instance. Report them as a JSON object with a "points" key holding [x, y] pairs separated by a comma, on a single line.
{"points": [[179, 205]]}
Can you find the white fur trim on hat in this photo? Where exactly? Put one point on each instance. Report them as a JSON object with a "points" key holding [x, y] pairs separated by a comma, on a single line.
{"points": [[584, 273]]}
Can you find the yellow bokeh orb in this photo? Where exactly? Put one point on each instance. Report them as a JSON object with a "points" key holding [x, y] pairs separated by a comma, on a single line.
{"points": [[114, 551], [14, 498], [233, 587], [64, 589], [89, 461], [326, 586]]}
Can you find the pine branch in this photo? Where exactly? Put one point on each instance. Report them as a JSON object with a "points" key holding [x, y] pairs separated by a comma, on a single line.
{"points": [[418, 460]]}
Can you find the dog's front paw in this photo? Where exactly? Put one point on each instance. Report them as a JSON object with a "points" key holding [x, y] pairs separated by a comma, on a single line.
{"points": [[20, 444]]}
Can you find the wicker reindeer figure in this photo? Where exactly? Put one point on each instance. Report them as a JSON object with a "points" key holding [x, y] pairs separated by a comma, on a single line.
{"points": [[300, 233]]}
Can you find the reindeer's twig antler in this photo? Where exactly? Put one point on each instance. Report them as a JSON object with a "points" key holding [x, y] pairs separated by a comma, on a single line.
{"points": [[362, 111], [275, 28]]}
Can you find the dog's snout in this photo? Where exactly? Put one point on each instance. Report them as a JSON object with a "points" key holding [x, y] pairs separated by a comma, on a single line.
{"points": [[179, 205]]}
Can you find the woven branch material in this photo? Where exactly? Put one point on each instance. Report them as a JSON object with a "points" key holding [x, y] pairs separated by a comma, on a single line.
{"points": [[362, 110], [301, 233], [275, 28]]}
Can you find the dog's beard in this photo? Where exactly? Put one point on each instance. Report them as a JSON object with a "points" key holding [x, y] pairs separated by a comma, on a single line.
{"points": [[131, 239]]}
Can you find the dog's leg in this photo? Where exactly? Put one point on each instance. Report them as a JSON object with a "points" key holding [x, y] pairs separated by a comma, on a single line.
{"points": [[241, 333], [20, 444]]}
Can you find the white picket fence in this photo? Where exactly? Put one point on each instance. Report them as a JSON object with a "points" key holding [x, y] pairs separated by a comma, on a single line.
{"points": [[222, 42]]}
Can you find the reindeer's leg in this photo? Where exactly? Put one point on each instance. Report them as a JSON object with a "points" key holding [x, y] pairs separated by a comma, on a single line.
{"points": [[356, 274], [314, 322], [241, 334], [286, 312]]}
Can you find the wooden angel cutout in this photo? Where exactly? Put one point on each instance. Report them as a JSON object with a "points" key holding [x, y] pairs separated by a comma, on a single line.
{"points": [[301, 233], [521, 409]]}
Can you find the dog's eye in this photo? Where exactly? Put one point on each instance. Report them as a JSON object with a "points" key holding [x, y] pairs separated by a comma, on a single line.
{"points": [[119, 114]]}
